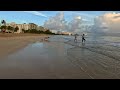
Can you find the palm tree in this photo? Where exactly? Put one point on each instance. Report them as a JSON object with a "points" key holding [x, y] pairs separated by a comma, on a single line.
{"points": [[23, 31], [16, 28], [10, 28], [3, 27], [3, 22]]}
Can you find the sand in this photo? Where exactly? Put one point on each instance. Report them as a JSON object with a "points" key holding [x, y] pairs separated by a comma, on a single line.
{"points": [[60, 59], [10, 43]]}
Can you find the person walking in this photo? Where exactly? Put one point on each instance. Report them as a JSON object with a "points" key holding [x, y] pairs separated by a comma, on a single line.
{"points": [[83, 38], [75, 40]]}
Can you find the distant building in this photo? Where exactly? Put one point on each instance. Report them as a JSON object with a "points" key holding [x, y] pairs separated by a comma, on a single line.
{"points": [[59, 32], [23, 26], [66, 33], [45, 29], [20, 28], [40, 28], [32, 26], [54, 31], [12, 24]]}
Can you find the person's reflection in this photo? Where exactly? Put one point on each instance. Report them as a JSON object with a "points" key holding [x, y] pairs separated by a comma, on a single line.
{"points": [[83, 51], [83, 44]]}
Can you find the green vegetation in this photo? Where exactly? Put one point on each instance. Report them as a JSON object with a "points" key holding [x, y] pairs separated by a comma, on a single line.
{"points": [[38, 31], [41, 31], [16, 29], [11, 29], [3, 27], [23, 30]]}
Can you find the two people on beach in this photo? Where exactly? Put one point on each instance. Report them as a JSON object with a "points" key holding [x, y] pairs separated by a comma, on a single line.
{"points": [[83, 38]]}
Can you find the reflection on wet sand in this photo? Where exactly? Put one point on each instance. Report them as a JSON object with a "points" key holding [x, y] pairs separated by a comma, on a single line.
{"points": [[83, 44], [59, 57]]}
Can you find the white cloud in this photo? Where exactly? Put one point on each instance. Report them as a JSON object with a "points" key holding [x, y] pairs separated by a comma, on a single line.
{"points": [[82, 14], [108, 22], [78, 17], [75, 24], [86, 20], [36, 13], [56, 22]]}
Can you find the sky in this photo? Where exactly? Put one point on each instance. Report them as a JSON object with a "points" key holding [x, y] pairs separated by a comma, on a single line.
{"points": [[72, 19], [39, 17]]}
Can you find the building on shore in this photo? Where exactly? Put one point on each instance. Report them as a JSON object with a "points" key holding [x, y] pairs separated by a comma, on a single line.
{"points": [[23, 26], [59, 32], [40, 28], [54, 31], [12, 24], [66, 33], [32, 26]]}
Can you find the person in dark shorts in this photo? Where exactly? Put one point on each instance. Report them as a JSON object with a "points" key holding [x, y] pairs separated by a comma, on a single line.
{"points": [[83, 38]]}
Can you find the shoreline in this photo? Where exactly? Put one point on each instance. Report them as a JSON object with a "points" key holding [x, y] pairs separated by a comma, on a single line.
{"points": [[12, 43]]}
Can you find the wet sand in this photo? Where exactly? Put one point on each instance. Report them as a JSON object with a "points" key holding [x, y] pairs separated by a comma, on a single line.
{"points": [[12, 42], [61, 58]]}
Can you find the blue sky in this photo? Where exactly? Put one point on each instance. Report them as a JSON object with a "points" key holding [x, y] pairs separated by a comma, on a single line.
{"points": [[39, 17]]}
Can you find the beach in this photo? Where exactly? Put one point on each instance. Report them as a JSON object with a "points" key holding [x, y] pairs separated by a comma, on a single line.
{"points": [[61, 58], [12, 42]]}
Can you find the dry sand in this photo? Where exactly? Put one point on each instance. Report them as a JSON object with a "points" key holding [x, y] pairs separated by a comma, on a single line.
{"points": [[12, 42]]}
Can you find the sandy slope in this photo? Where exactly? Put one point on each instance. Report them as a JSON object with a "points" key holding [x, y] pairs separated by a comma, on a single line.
{"points": [[12, 42]]}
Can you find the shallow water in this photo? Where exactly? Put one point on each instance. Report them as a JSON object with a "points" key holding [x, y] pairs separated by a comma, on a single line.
{"points": [[35, 60], [61, 57]]}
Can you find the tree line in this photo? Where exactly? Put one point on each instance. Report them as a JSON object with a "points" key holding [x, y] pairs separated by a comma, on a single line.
{"points": [[38, 31], [12, 30]]}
